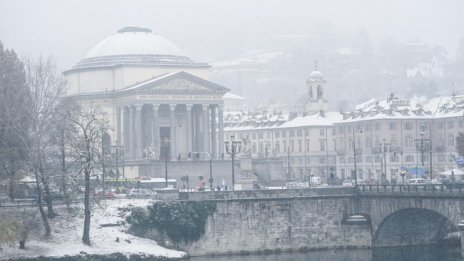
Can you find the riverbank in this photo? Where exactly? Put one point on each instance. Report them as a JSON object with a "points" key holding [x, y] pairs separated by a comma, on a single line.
{"points": [[108, 237]]}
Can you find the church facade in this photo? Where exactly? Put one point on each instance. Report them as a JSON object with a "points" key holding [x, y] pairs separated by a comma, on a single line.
{"points": [[159, 102]]}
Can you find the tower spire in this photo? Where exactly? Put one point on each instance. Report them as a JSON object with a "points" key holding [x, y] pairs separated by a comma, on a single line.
{"points": [[315, 65]]}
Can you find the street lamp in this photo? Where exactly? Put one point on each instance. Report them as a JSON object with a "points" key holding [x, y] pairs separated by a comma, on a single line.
{"points": [[233, 148], [422, 145], [118, 152], [165, 146], [354, 156]]}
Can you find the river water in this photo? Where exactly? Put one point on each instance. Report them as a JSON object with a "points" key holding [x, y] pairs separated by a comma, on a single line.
{"points": [[428, 253]]}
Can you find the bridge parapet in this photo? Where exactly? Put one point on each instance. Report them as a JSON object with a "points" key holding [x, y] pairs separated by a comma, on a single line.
{"points": [[442, 190], [266, 193]]}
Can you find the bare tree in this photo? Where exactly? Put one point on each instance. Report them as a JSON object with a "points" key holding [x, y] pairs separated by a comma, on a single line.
{"points": [[91, 125], [46, 86]]}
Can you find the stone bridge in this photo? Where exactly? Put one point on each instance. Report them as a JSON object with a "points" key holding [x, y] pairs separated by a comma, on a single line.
{"points": [[323, 218]]}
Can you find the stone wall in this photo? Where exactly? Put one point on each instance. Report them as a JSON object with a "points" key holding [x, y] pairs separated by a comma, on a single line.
{"points": [[269, 172], [270, 224]]}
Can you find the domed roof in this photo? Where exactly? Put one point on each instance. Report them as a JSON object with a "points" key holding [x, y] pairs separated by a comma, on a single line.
{"points": [[133, 45], [134, 41]]}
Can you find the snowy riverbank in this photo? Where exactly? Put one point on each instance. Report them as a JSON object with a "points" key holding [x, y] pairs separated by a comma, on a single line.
{"points": [[108, 239]]}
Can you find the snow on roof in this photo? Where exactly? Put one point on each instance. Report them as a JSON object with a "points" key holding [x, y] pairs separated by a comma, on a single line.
{"points": [[317, 119], [416, 108], [134, 41], [232, 96]]}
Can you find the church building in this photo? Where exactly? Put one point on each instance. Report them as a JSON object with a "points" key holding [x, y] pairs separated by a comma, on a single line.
{"points": [[158, 101]]}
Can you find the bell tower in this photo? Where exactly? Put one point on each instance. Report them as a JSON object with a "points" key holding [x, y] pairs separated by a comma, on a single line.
{"points": [[316, 84]]}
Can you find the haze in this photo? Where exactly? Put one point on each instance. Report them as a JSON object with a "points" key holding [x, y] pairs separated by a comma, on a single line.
{"points": [[214, 31]]}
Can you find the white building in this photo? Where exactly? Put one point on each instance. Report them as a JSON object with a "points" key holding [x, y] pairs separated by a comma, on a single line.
{"points": [[158, 101]]}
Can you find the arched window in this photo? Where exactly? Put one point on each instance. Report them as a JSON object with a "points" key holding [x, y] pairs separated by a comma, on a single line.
{"points": [[319, 92]]}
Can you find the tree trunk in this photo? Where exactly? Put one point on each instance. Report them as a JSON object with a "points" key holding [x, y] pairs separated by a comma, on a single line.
{"points": [[48, 198], [22, 244], [86, 234], [11, 188], [41, 209]]}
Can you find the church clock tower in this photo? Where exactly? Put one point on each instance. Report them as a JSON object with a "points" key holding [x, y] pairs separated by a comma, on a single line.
{"points": [[316, 84]]}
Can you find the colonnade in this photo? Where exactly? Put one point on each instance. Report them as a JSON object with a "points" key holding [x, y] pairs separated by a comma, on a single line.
{"points": [[155, 130]]}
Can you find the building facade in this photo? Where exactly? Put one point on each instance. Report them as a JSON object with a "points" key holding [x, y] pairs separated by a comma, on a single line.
{"points": [[159, 102]]}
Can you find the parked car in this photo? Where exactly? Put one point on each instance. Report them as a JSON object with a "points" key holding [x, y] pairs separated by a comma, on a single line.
{"points": [[107, 194], [140, 193], [347, 183], [418, 181]]}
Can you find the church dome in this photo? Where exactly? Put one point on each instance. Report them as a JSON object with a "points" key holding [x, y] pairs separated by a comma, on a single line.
{"points": [[133, 45]]}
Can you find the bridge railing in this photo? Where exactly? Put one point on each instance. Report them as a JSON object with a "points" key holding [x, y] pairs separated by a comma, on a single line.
{"points": [[405, 188]]}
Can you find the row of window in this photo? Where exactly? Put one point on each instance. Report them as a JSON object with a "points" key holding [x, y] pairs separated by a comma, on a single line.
{"points": [[395, 158], [395, 125], [285, 147]]}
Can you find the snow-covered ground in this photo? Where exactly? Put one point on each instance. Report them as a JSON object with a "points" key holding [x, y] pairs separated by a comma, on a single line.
{"points": [[67, 234]]}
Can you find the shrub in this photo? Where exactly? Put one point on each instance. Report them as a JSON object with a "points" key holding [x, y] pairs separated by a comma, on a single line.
{"points": [[181, 221]]}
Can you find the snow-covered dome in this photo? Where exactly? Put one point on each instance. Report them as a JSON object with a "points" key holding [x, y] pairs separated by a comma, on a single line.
{"points": [[133, 45], [316, 74]]}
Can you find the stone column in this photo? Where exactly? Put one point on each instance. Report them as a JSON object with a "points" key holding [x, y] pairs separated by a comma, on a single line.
{"points": [[138, 130], [132, 132], [125, 130], [189, 128], [206, 135], [213, 132], [221, 129], [118, 125], [172, 134], [155, 131]]}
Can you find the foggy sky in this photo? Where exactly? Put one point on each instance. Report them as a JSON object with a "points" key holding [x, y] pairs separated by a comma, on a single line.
{"points": [[209, 30]]}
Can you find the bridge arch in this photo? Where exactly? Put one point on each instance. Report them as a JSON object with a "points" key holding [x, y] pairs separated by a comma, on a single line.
{"points": [[414, 226]]}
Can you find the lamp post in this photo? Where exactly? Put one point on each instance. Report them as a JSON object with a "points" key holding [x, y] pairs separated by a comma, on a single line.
{"points": [[165, 146], [117, 152], [354, 156], [233, 148], [422, 145]]}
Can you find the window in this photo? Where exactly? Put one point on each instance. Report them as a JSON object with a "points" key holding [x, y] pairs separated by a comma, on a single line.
{"points": [[340, 130], [335, 144], [333, 132], [321, 161], [322, 145], [260, 135], [277, 134], [408, 141], [408, 126], [284, 144], [393, 140], [368, 159], [307, 145], [451, 140], [253, 147], [277, 147], [350, 143], [393, 125], [298, 133], [292, 146], [284, 134], [292, 133], [299, 146], [321, 132], [409, 158], [306, 132], [450, 124]]}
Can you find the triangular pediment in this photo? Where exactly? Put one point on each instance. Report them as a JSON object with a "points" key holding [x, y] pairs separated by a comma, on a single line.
{"points": [[179, 83]]}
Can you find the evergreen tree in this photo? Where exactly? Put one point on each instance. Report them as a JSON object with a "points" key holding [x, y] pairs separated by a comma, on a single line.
{"points": [[13, 119]]}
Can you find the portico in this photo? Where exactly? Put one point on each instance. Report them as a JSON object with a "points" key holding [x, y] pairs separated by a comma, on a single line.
{"points": [[170, 116]]}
